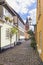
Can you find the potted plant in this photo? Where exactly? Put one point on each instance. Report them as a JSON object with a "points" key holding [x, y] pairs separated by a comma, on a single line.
{"points": [[6, 18]]}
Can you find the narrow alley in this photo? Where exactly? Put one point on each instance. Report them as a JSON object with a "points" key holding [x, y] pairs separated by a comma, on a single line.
{"points": [[21, 54]]}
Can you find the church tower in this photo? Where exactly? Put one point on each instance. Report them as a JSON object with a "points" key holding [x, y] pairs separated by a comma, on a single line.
{"points": [[26, 29], [27, 25]]}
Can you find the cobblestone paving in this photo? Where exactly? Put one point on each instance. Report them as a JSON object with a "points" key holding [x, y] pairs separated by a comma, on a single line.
{"points": [[20, 55]]}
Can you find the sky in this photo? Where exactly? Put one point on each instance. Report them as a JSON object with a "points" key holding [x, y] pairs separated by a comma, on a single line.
{"points": [[25, 8]]}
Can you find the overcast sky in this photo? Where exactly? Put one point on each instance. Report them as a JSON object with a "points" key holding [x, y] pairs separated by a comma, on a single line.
{"points": [[25, 8]]}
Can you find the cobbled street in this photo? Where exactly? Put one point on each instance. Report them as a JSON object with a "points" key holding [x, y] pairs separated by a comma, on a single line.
{"points": [[21, 54]]}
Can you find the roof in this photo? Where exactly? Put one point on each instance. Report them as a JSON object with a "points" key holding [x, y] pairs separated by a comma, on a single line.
{"points": [[19, 16], [11, 10]]}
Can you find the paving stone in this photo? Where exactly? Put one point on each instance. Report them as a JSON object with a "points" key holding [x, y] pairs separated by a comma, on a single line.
{"points": [[20, 55]]}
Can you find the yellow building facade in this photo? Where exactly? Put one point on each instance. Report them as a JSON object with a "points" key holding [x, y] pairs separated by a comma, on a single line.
{"points": [[39, 18]]}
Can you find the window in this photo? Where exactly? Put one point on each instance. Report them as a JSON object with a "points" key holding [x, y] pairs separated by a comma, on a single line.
{"points": [[6, 12], [7, 33], [20, 24]]}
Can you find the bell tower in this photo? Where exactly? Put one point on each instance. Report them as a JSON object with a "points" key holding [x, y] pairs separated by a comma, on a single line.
{"points": [[27, 25], [26, 29]]}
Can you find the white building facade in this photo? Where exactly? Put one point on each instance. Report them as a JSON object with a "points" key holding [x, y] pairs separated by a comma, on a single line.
{"points": [[5, 28], [6, 41], [21, 27]]}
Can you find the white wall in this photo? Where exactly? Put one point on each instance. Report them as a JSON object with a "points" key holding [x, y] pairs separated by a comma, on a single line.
{"points": [[14, 38], [4, 40], [21, 27]]}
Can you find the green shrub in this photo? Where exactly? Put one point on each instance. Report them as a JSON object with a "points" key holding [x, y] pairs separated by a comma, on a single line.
{"points": [[33, 44], [30, 32], [33, 38]]}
